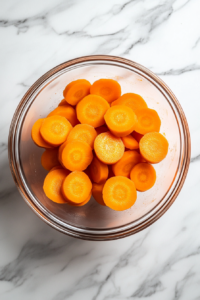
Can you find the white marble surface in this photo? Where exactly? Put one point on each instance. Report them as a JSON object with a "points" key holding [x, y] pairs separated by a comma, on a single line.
{"points": [[161, 262]]}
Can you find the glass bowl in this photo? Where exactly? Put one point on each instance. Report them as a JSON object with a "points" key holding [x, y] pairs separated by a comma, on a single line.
{"points": [[93, 221]]}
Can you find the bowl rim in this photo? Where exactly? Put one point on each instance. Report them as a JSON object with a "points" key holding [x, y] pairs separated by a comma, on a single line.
{"points": [[98, 235]]}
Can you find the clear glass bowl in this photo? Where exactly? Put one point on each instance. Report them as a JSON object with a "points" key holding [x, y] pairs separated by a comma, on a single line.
{"points": [[92, 221]]}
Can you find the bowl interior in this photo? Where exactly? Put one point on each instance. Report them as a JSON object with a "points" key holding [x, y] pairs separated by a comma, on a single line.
{"points": [[93, 216]]}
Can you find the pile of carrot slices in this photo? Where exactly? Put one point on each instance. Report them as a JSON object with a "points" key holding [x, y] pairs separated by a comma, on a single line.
{"points": [[101, 143]]}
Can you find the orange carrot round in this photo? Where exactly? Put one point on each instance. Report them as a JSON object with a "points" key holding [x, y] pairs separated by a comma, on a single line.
{"points": [[148, 121], [55, 130], [52, 185], [76, 90], [119, 193], [84, 133], [101, 129], [62, 102], [108, 148], [121, 120], [82, 203], [36, 136], [60, 149], [76, 156], [153, 147], [76, 187], [144, 176], [59, 167], [134, 101], [109, 89], [67, 112], [49, 159], [97, 192], [91, 110], [98, 171], [124, 166], [130, 142], [137, 136]]}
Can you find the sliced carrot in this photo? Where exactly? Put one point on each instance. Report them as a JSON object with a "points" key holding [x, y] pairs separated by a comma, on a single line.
{"points": [[79, 204], [69, 87], [49, 159], [137, 136], [109, 89], [124, 166], [98, 171], [134, 101], [55, 130], [76, 91], [153, 147], [148, 121], [76, 187], [76, 156], [144, 176], [108, 148], [52, 185], [60, 149], [97, 192], [62, 102], [121, 120], [84, 133], [101, 129], [119, 193], [91, 110], [130, 142], [66, 111], [59, 167], [36, 135]]}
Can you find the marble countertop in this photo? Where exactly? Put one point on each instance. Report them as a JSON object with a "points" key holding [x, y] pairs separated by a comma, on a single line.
{"points": [[161, 262]]}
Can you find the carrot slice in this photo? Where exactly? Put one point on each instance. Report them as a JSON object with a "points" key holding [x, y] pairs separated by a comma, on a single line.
{"points": [[79, 204], [124, 166], [108, 148], [91, 110], [62, 102], [76, 187], [59, 168], [134, 101], [109, 89], [36, 135], [55, 130], [97, 192], [144, 176], [84, 133], [76, 156], [153, 147], [101, 129], [121, 120], [130, 142], [98, 171], [52, 185], [137, 136], [49, 159], [148, 121], [68, 87], [67, 112], [60, 149], [119, 193], [76, 91]]}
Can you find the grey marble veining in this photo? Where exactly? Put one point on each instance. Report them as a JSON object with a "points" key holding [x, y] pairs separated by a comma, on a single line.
{"points": [[161, 262]]}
